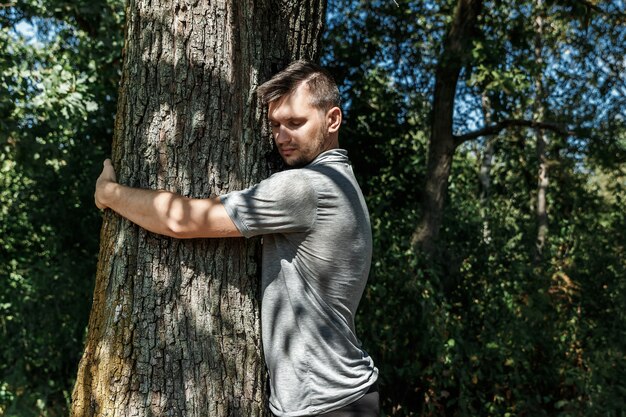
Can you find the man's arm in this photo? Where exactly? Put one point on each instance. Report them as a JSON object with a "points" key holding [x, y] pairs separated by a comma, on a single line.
{"points": [[164, 212]]}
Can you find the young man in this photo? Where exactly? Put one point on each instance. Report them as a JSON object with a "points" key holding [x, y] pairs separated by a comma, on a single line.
{"points": [[317, 248]]}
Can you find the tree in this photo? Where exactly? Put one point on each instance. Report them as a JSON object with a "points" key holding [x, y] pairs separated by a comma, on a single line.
{"points": [[540, 138], [464, 53], [456, 54], [174, 328]]}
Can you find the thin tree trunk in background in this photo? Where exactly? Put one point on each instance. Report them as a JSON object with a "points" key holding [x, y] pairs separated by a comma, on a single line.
{"points": [[456, 53], [484, 174], [174, 329], [543, 179]]}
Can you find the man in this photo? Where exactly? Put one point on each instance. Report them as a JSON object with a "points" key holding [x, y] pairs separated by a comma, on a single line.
{"points": [[317, 247]]}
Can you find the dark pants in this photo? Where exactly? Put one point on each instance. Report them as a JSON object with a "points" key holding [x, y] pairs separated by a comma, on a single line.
{"points": [[366, 406]]}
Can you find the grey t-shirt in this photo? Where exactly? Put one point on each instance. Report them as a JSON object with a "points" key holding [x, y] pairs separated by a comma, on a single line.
{"points": [[317, 249]]}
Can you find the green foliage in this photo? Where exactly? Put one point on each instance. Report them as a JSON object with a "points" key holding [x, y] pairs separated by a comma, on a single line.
{"points": [[486, 333], [57, 97], [484, 328]]}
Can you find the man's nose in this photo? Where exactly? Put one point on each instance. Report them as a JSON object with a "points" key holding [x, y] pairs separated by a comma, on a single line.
{"points": [[281, 135]]}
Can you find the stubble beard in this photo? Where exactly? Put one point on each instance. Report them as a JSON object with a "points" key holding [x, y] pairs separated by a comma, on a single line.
{"points": [[310, 154]]}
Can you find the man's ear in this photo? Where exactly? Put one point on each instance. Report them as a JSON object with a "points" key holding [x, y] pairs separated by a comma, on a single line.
{"points": [[333, 119]]}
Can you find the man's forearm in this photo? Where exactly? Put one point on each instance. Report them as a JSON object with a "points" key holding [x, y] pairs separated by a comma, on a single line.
{"points": [[168, 213], [163, 212], [147, 208]]}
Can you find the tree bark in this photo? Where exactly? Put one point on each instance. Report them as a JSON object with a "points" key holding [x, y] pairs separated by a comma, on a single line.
{"points": [[456, 54], [174, 328]]}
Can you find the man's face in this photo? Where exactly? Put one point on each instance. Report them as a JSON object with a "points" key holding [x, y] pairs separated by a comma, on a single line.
{"points": [[299, 129]]}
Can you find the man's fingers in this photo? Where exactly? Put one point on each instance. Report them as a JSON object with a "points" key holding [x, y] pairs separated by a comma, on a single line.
{"points": [[106, 176], [98, 205], [108, 171]]}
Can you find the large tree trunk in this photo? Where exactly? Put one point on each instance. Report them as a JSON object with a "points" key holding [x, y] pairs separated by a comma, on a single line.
{"points": [[174, 329], [456, 53]]}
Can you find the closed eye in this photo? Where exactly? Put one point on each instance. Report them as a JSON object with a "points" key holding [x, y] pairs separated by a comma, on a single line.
{"points": [[291, 123], [296, 122]]}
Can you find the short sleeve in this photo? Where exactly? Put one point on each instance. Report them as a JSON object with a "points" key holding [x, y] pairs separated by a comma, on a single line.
{"points": [[286, 202]]}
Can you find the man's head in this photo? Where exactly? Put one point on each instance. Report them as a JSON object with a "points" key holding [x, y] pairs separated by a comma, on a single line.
{"points": [[303, 108]]}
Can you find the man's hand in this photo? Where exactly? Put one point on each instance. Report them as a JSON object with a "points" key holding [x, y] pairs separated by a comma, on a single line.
{"points": [[106, 178]]}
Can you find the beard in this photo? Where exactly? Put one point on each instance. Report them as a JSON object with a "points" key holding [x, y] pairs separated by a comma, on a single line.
{"points": [[309, 153]]}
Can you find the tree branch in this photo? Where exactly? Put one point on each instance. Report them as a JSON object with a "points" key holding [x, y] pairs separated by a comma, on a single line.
{"points": [[616, 15], [500, 126], [591, 6]]}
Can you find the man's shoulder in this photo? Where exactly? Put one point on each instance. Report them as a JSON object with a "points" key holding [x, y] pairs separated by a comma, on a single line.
{"points": [[288, 173], [293, 177], [292, 183]]}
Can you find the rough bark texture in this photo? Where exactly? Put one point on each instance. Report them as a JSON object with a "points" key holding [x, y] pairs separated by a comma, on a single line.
{"points": [[456, 53], [174, 329]]}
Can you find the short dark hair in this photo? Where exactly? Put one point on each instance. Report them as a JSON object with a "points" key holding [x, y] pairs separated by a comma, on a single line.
{"points": [[321, 85]]}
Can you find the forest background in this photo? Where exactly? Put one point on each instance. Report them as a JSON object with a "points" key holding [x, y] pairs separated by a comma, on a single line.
{"points": [[515, 306]]}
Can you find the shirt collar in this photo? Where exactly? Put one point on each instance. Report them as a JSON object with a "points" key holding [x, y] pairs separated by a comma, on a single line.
{"points": [[330, 156]]}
